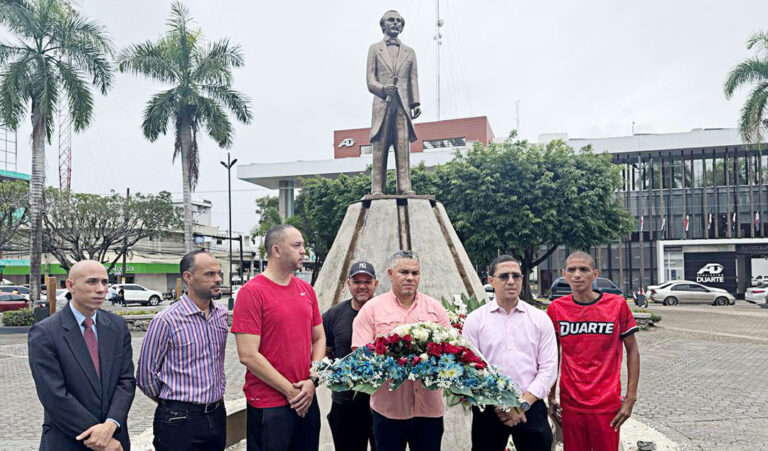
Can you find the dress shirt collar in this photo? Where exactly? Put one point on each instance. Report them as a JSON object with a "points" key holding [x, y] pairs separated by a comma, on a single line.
{"points": [[392, 41], [400, 304], [190, 308], [521, 306], [79, 317]]}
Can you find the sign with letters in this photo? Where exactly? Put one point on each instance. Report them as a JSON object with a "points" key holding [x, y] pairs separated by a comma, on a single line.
{"points": [[713, 269]]}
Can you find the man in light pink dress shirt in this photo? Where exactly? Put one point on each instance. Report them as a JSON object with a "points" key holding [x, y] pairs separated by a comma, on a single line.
{"points": [[520, 340], [411, 414]]}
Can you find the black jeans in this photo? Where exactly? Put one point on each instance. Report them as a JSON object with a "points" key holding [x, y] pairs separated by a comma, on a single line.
{"points": [[420, 433], [282, 429], [490, 434], [178, 427], [351, 427]]}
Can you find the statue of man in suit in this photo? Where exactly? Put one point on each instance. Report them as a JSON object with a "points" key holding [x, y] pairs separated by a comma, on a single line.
{"points": [[393, 80]]}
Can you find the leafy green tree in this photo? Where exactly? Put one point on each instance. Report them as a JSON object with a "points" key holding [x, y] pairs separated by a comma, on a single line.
{"points": [[14, 210], [201, 76], [268, 209], [55, 54], [752, 72], [526, 200], [81, 226]]}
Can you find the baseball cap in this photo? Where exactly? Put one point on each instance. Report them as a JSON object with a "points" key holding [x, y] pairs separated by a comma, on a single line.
{"points": [[362, 268]]}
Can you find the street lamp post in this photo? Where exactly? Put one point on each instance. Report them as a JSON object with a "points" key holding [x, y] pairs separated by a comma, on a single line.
{"points": [[229, 165]]}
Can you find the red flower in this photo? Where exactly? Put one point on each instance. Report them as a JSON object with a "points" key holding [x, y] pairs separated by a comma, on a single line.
{"points": [[450, 349], [480, 365], [407, 338], [381, 347], [394, 338], [371, 347], [402, 361], [434, 349], [416, 360]]}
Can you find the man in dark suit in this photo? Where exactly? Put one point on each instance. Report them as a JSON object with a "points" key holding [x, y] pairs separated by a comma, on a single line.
{"points": [[81, 363], [393, 80]]}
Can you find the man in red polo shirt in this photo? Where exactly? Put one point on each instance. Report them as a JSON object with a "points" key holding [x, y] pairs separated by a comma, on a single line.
{"points": [[591, 327], [279, 334]]}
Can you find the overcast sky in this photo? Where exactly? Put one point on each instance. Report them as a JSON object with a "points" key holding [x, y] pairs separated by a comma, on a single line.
{"points": [[587, 68]]}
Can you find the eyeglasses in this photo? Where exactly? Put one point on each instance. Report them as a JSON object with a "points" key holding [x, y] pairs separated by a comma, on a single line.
{"points": [[516, 276]]}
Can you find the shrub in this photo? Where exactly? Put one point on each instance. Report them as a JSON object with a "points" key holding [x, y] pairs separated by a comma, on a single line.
{"points": [[24, 317]]}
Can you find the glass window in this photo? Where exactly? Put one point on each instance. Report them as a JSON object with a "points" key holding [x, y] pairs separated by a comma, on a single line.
{"points": [[698, 173], [697, 288], [605, 283], [366, 150], [445, 143], [681, 287]]}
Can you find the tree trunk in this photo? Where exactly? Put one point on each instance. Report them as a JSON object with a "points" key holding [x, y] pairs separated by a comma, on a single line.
{"points": [[186, 182], [36, 207]]}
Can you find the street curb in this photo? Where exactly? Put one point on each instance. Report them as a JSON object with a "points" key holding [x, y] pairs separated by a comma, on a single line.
{"points": [[7, 330]]}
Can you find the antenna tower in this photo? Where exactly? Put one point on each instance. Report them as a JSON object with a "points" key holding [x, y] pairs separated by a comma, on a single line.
{"points": [[65, 143], [438, 42]]}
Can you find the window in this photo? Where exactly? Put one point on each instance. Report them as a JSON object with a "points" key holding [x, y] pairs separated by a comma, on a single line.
{"points": [[366, 150], [445, 143], [605, 283], [697, 288], [681, 287]]}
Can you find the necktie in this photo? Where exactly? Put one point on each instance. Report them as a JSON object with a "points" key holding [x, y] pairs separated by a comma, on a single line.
{"points": [[93, 345]]}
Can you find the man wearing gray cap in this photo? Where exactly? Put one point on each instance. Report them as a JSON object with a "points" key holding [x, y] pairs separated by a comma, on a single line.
{"points": [[350, 416]]}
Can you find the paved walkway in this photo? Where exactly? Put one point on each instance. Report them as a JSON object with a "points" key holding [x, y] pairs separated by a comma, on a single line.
{"points": [[702, 381], [703, 376]]}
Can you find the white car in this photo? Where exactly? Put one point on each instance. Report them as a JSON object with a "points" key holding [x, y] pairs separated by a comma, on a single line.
{"points": [[134, 293], [757, 294]]}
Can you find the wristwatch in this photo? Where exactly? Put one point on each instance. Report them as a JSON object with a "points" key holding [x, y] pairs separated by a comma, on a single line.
{"points": [[315, 380], [524, 405]]}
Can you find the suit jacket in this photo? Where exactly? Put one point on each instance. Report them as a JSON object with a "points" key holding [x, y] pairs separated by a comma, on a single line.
{"points": [[381, 71], [73, 396]]}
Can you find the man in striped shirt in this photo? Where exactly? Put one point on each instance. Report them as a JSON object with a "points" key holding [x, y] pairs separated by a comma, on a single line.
{"points": [[181, 366]]}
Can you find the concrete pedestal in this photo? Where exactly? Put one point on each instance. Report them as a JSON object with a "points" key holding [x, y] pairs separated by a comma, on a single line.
{"points": [[374, 229]]}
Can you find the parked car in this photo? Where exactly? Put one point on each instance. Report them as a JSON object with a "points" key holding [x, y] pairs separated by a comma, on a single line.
{"points": [[136, 294], [687, 292], [759, 280], [561, 288], [757, 294], [10, 302], [15, 289]]}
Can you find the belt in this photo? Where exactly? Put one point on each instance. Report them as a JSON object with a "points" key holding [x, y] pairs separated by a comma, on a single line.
{"points": [[193, 406]]}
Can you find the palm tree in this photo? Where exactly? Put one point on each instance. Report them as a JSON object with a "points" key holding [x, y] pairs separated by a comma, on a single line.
{"points": [[201, 76], [753, 71], [55, 54]]}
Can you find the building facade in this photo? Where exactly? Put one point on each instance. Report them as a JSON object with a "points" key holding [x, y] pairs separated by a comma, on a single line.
{"points": [[697, 198]]}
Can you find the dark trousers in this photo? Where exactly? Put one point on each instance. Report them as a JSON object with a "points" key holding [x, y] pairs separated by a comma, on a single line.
{"points": [[419, 433], [351, 427], [490, 434], [178, 427], [282, 429]]}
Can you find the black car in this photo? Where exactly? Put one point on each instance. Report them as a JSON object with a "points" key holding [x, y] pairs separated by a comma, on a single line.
{"points": [[561, 288]]}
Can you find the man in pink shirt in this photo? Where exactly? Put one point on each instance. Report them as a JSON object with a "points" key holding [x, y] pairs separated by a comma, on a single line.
{"points": [[520, 340], [412, 414]]}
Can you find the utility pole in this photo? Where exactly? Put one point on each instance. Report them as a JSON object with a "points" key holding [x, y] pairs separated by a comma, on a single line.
{"points": [[125, 238], [229, 165]]}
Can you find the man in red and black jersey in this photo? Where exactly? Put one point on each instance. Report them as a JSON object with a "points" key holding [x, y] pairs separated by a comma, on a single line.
{"points": [[591, 327]]}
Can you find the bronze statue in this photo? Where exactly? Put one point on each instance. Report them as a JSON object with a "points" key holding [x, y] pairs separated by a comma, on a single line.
{"points": [[393, 81]]}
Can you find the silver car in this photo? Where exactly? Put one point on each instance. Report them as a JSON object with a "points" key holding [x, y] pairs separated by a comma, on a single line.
{"points": [[687, 292]]}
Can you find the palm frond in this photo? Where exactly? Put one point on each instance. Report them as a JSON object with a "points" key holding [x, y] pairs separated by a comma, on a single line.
{"points": [[754, 113], [178, 23], [79, 96], [150, 59], [214, 62], [749, 71], [9, 52], [193, 158], [217, 125], [235, 101], [18, 16], [14, 84], [759, 39], [160, 110]]}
